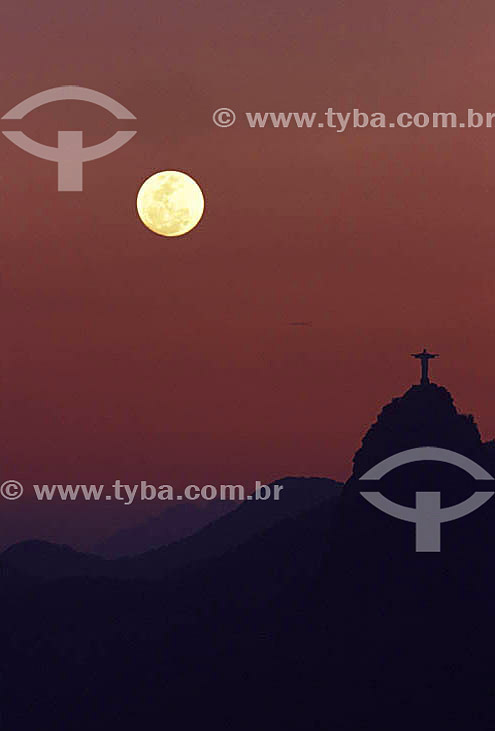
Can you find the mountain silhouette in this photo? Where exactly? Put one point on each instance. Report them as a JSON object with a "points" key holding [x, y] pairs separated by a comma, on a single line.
{"points": [[173, 524], [424, 416], [317, 614], [52, 561]]}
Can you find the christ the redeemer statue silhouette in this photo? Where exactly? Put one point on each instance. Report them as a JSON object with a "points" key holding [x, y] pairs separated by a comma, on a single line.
{"points": [[424, 357]]}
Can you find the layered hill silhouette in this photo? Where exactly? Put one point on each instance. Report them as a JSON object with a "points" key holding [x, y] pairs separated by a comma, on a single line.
{"points": [[53, 561], [307, 617], [173, 524]]}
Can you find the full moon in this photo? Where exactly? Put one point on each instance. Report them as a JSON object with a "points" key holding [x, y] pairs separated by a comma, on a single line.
{"points": [[170, 203]]}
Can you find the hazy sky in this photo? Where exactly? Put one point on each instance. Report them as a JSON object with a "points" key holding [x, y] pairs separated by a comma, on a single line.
{"points": [[128, 355]]}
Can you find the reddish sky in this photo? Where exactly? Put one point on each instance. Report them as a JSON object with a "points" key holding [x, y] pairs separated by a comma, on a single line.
{"points": [[172, 360]]}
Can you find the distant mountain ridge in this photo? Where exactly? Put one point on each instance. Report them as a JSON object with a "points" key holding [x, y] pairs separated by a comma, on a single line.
{"points": [[52, 561], [175, 523]]}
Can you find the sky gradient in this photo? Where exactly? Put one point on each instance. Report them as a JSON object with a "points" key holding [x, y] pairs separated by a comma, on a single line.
{"points": [[132, 356]]}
